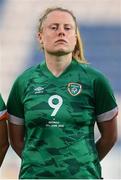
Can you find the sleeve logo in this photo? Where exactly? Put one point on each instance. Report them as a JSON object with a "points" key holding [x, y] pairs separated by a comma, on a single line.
{"points": [[74, 88]]}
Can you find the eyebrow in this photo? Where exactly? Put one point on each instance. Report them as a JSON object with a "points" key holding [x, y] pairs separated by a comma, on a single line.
{"points": [[57, 24]]}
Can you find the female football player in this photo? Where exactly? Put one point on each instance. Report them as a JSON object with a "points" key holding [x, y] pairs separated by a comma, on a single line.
{"points": [[54, 106]]}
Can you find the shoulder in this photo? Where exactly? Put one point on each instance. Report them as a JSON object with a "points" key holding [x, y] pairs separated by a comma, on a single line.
{"points": [[89, 69], [93, 75], [91, 72], [26, 75], [24, 79]]}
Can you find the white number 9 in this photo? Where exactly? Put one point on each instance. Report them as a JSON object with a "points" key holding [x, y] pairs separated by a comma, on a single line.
{"points": [[57, 106]]}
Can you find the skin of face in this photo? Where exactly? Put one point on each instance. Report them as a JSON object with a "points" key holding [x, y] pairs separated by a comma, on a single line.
{"points": [[58, 34]]}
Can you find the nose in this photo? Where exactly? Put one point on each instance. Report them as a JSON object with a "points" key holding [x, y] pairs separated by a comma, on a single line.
{"points": [[61, 31]]}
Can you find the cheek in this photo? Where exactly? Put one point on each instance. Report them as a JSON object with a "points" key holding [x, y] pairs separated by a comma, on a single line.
{"points": [[47, 39], [73, 40]]}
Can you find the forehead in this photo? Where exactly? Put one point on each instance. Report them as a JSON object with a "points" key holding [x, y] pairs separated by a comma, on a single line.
{"points": [[59, 17]]}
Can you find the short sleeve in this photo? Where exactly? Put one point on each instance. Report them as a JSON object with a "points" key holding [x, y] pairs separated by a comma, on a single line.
{"points": [[105, 102], [14, 105]]}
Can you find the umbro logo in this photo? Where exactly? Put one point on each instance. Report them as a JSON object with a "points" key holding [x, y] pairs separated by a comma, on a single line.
{"points": [[39, 90]]}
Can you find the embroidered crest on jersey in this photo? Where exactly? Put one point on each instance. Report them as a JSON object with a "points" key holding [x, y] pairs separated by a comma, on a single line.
{"points": [[74, 88]]}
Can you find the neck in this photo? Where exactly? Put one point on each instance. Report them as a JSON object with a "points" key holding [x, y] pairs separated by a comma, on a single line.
{"points": [[57, 64]]}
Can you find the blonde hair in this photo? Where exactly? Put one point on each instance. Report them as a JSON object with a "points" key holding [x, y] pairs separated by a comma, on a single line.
{"points": [[78, 53]]}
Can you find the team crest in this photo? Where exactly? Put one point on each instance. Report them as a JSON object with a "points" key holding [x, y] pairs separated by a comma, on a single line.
{"points": [[74, 88]]}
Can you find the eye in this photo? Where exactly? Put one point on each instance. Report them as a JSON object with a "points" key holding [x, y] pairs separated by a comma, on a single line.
{"points": [[67, 28], [53, 27]]}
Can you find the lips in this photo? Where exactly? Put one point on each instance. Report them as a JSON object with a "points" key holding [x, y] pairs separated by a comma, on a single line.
{"points": [[61, 41]]}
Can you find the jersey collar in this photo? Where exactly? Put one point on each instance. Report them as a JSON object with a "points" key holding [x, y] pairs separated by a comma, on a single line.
{"points": [[49, 74]]}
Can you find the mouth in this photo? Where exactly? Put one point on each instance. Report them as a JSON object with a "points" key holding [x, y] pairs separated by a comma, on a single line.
{"points": [[61, 41]]}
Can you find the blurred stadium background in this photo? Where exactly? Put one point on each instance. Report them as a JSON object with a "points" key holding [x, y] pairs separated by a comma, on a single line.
{"points": [[100, 25]]}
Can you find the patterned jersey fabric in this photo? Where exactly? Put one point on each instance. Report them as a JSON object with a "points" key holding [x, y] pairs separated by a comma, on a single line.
{"points": [[59, 114]]}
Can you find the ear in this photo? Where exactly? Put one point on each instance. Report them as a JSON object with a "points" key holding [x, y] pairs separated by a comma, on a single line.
{"points": [[39, 37]]}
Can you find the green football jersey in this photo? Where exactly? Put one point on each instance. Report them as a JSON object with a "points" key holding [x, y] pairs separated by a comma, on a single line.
{"points": [[3, 111], [59, 114]]}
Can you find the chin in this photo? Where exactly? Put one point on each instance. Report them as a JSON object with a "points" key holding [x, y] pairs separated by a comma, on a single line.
{"points": [[60, 52]]}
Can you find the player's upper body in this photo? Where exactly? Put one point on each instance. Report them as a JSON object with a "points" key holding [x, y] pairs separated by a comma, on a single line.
{"points": [[59, 114], [53, 108], [3, 130]]}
